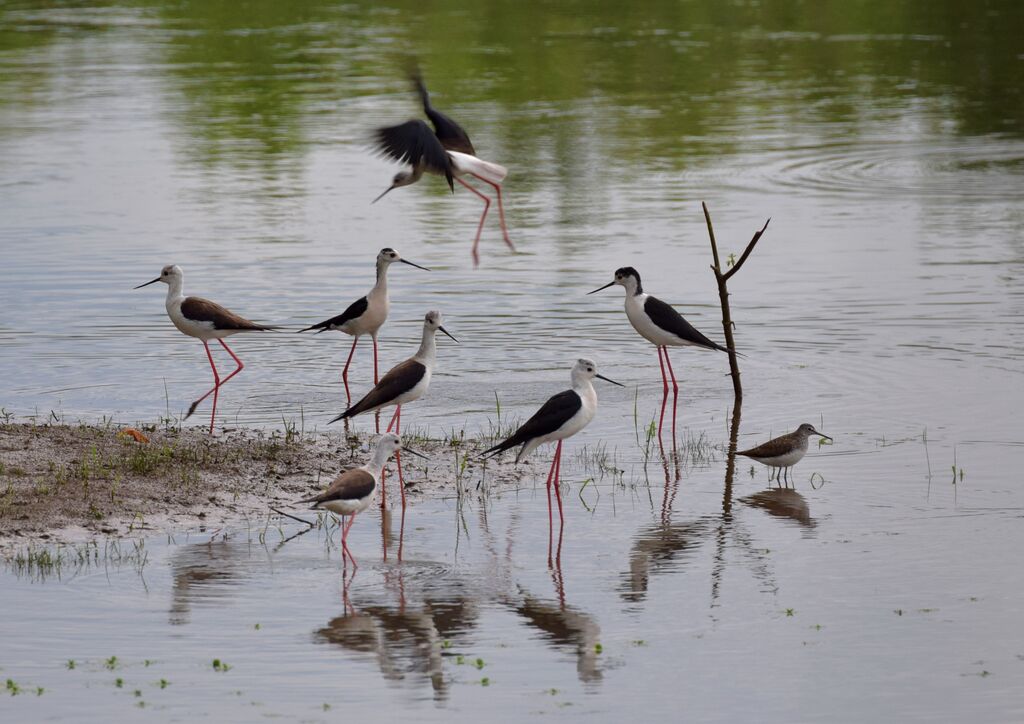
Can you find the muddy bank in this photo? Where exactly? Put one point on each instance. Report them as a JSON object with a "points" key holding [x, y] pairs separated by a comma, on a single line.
{"points": [[62, 482]]}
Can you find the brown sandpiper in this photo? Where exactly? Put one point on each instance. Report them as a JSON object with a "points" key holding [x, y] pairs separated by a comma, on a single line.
{"points": [[785, 451]]}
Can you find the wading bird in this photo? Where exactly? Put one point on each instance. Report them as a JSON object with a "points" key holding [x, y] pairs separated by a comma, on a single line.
{"points": [[352, 490], [366, 315], [205, 320], [444, 151], [662, 326], [406, 382], [562, 416], [785, 451]]}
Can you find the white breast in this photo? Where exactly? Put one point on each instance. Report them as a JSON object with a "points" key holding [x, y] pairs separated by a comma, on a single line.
{"points": [[200, 330], [643, 324]]}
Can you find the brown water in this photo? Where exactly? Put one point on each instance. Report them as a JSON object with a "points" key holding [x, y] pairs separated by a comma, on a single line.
{"points": [[886, 142]]}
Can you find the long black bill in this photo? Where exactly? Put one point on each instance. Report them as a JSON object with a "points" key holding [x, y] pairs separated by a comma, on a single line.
{"points": [[595, 292], [406, 261], [147, 283], [382, 195], [413, 452], [826, 437], [449, 334], [602, 377]]}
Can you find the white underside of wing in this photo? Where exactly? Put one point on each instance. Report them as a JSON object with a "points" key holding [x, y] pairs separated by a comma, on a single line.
{"points": [[463, 163]]}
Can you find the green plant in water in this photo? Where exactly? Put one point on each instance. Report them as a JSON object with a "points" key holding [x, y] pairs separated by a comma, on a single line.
{"points": [[111, 663], [119, 682], [70, 664], [12, 687]]}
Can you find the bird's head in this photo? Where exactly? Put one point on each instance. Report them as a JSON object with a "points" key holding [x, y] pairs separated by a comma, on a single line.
{"points": [[387, 256], [586, 369], [807, 429], [390, 443], [168, 275], [433, 322], [402, 178], [627, 277]]}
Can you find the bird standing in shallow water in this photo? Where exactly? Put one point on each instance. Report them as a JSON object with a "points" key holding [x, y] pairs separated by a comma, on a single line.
{"points": [[785, 451], [205, 320], [406, 382], [444, 151], [352, 490], [662, 326], [562, 416], [366, 315]]}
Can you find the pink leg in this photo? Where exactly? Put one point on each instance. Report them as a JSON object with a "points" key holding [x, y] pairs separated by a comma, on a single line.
{"points": [[344, 372], [501, 210], [551, 474], [675, 395], [394, 417], [664, 397], [558, 492], [344, 542], [480, 227], [398, 461], [217, 381]]}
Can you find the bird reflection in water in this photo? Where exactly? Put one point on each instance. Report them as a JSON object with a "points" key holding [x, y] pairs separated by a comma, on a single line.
{"points": [[407, 640], [205, 574], [783, 503]]}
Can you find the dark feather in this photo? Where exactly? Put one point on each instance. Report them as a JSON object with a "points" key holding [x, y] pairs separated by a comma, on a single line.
{"points": [[555, 412], [203, 310], [672, 321], [414, 143], [452, 136], [400, 378], [350, 485], [355, 310], [775, 447]]}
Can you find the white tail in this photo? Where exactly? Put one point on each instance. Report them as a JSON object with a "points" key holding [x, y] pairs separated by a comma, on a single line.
{"points": [[464, 163]]}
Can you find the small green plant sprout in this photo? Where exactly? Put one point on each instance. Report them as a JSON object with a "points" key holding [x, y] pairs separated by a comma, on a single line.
{"points": [[141, 704], [446, 644], [639, 642], [164, 683], [40, 691], [730, 260], [479, 663], [219, 665], [257, 627], [119, 682], [898, 611], [790, 612], [598, 648], [137, 693], [326, 706], [553, 692], [486, 681], [147, 662], [111, 663], [460, 660], [70, 664], [12, 687]]}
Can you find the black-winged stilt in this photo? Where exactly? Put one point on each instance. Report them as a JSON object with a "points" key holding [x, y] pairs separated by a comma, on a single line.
{"points": [[406, 382], [785, 451], [562, 416], [205, 320], [662, 326], [444, 151], [366, 315], [352, 490]]}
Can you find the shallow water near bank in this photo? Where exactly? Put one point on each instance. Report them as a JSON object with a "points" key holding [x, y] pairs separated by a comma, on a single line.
{"points": [[882, 305]]}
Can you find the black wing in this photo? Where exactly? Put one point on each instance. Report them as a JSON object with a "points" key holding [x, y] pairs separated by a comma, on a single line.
{"points": [[400, 378], [414, 143], [451, 135], [355, 310], [350, 485], [672, 321], [556, 412]]}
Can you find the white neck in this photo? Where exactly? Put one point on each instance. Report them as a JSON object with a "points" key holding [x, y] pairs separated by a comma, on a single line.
{"points": [[174, 288], [378, 461], [428, 346], [381, 287], [582, 384]]}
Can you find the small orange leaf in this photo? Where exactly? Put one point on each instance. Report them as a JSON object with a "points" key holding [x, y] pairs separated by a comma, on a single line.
{"points": [[133, 434]]}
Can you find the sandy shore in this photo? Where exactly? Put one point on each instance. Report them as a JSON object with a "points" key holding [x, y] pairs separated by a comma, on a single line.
{"points": [[73, 482]]}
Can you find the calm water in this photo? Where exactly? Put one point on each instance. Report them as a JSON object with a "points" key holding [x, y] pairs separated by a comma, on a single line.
{"points": [[886, 142]]}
